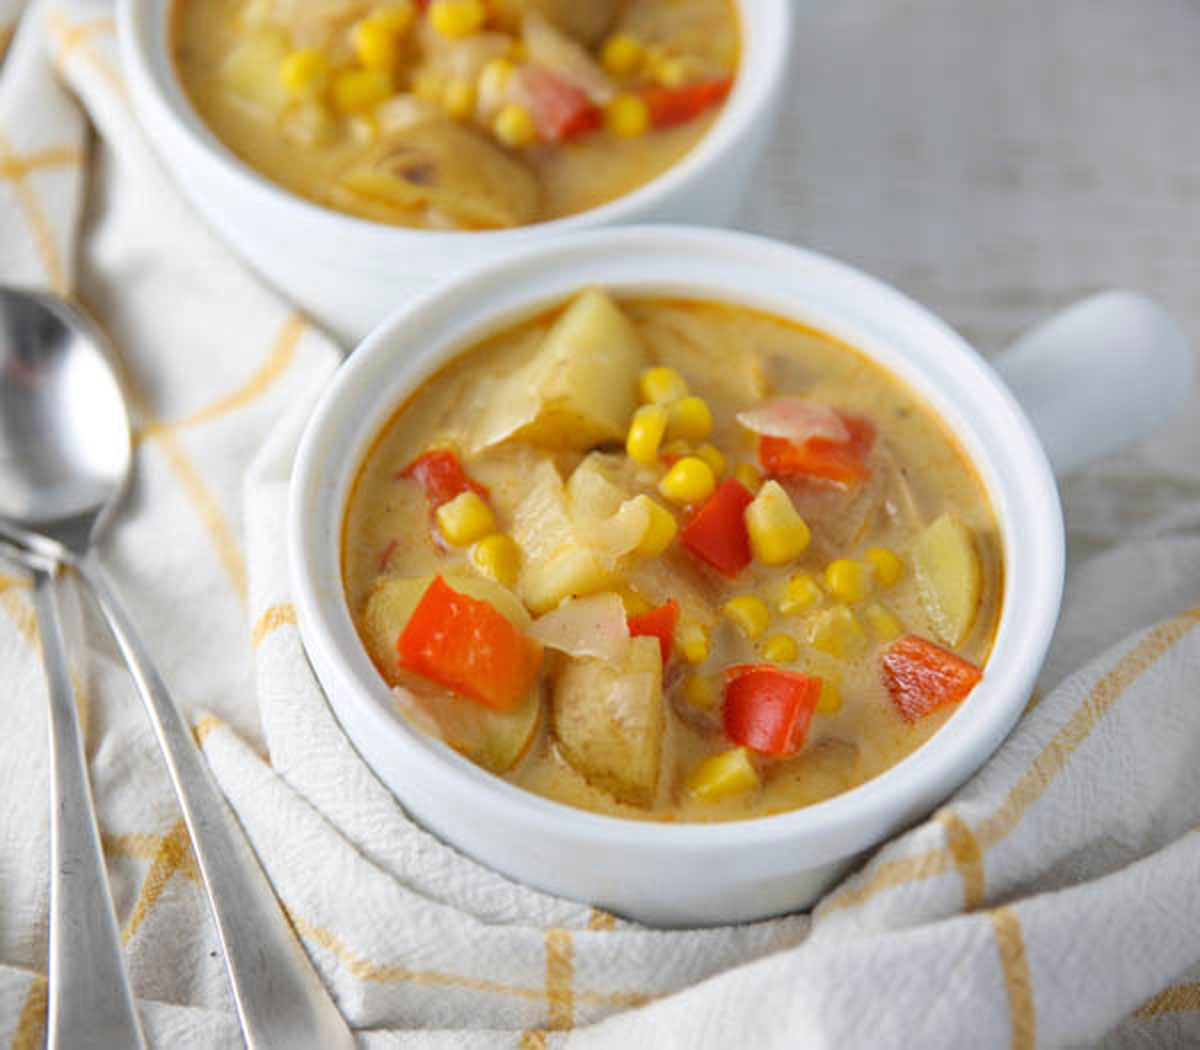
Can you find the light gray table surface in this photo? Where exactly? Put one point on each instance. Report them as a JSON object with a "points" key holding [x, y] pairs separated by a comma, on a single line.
{"points": [[997, 160]]}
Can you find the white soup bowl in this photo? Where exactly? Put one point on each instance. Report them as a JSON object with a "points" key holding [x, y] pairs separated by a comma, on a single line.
{"points": [[1116, 349], [348, 272]]}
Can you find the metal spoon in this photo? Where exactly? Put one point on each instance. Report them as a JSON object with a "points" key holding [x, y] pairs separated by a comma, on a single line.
{"points": [[90, 1002], [64, 458]]}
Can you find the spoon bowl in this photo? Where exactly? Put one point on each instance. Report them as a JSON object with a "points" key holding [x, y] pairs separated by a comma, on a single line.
{"points": [[64, 431]]}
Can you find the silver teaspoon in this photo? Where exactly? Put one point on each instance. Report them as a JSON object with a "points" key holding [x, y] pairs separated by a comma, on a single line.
{"points": [[64, 459], [90, 1004]]}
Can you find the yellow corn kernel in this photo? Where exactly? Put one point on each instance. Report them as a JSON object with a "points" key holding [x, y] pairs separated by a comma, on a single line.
{"points": [[572, 572], [748, 475], [653, 58], [464, 519], [849, 580], [777, 532], [458, 100], [621, 54], [661, 531], [692, 640], [830, 698], [514, 126], [429, 86], [675, 71], [396, 15], [305, 72], [888, 566], [499, 558], [883, 621], [355, 90], [780, 649], [690, 480], [700, 692], [748, 613], [690, 419], [646, 433], [628, 116], [454, 18], [714, 457], [800, 594], [376, 43], [837, 632], [673, 450], [662, 385], [635, 603], [723, 775]]}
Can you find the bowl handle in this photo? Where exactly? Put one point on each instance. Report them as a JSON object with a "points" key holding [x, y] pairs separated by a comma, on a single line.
{"points": [[1100, 375]]}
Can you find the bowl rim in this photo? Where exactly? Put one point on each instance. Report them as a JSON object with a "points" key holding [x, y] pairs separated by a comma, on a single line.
{"points": [[1011, 463], [762, 68]]}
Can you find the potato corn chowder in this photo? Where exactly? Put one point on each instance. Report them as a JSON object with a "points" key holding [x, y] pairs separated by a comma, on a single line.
{"points": [[672, 560], [458, 114]]}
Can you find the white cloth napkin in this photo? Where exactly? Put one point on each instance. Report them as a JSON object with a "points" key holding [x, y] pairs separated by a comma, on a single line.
{"points": [[1051, 902]]}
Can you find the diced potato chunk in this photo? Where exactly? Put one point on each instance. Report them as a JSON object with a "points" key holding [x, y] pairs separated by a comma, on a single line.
{"points": [[572, 573], [949, 577], [496, 740], [594, 489], [609, 721], [390, 603], [579, 389], [251, 70], [540, 523]]}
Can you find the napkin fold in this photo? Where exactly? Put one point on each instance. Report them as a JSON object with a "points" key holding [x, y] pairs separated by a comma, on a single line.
{"points": [[1051, 902]]}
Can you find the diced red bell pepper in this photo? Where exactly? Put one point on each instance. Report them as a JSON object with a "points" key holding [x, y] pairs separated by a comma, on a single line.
{"points": [[561, 111], [716, 533], [841, 461], [768, 709], [671, 106], [441, 475], [466, 645], [660, 623], [921, 676]]}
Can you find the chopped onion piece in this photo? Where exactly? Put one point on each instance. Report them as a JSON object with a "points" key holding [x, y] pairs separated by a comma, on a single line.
{"points": [[795, 419], [594, 626], [560, 54]]}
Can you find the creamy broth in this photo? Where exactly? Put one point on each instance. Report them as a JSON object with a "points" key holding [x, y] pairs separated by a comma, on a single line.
{"points": [[440, 121], [734, 359]]}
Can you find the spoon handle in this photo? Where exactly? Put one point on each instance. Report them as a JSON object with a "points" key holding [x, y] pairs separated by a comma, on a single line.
{"points": [[90, 1004], [280, 999]]}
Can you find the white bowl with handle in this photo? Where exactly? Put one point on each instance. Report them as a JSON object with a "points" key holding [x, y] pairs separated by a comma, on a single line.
{"points": [[1101, 375], [349, 273]]}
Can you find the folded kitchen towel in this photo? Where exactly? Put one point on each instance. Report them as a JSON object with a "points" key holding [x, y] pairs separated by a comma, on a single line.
{"points": [[1051, 902]]}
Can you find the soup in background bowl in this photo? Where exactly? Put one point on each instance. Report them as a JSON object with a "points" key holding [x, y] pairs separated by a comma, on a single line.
{"points": [[672, 560], [348, 272], [458, 114]]}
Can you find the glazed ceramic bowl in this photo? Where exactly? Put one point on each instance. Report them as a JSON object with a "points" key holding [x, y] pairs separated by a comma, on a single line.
{"points": [[348, 273], [1117, 349]]}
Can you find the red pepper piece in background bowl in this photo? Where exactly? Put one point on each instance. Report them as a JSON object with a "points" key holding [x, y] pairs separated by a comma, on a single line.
{"points": [[671, 106], [768, 709]]}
